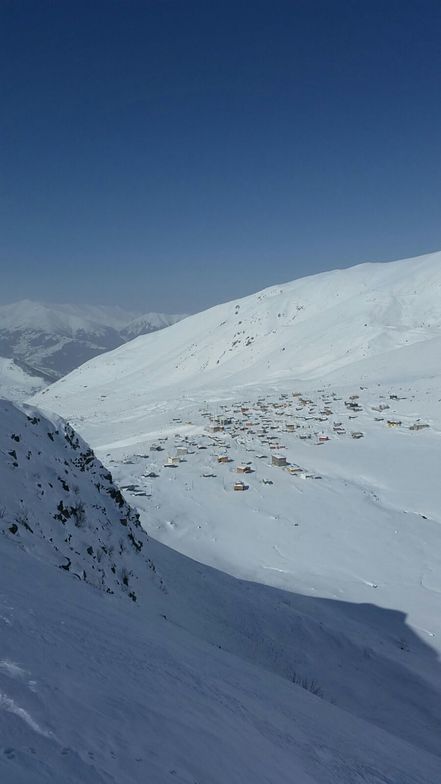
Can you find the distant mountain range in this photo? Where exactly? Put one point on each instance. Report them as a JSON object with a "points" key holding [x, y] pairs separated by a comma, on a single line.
{"points": [[51, 340]]}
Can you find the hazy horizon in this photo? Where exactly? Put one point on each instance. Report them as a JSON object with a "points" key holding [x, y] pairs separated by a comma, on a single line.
{"points": [[141, 310]]}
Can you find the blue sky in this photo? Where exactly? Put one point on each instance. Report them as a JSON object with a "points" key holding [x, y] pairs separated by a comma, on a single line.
{"points": [[173, 154]]}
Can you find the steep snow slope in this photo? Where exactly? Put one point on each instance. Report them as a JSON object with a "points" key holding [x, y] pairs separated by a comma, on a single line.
{"points": [[204, 677], [364, 324], [59, 502], [54, 339], [15, 382]]}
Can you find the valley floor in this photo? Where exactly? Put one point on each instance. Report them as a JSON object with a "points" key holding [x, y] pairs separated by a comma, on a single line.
{"points": [[353, 537]]}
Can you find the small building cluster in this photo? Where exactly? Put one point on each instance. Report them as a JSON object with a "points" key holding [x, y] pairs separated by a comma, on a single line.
{"points": [[267, 429]]}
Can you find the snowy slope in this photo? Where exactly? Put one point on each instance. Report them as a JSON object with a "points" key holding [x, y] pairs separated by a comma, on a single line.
{"points": [[60, 504], [371, 322], [15, 382], [54, 339], [94, 691], [204, 678]]}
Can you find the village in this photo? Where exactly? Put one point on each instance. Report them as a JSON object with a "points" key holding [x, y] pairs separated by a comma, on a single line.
{"points": [[254, 441]]}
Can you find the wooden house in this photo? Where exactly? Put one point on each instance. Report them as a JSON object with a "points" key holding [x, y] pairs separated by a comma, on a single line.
{"points": [[279, 461]]}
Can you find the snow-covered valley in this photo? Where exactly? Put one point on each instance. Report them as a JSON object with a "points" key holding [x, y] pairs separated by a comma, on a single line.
{"points": [[203, 677], [283, 454], [16, 383]]}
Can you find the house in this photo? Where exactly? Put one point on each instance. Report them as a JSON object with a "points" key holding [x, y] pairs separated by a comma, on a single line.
{"points": [[215, 427], [173, 461], [181, 451], [222, 420], [223, 459], [279, 461], [243, 469], [293, 469], [240, 486], [393, 423]]}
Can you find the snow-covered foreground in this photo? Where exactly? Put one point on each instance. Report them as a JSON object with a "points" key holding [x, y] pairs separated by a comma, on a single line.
{"points": [[93, 689], [204, 678]]}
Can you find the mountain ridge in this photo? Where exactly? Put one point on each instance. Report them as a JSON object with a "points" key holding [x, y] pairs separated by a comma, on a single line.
{"points": [[340, 325]]}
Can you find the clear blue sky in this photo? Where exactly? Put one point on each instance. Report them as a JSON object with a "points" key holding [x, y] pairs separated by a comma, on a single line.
{"points": [[173, 154]]}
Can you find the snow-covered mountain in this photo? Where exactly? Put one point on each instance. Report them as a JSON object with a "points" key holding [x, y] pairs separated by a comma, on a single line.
{"points": [[149, 322], [367, 323], [203, 677], [52, 340]]}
